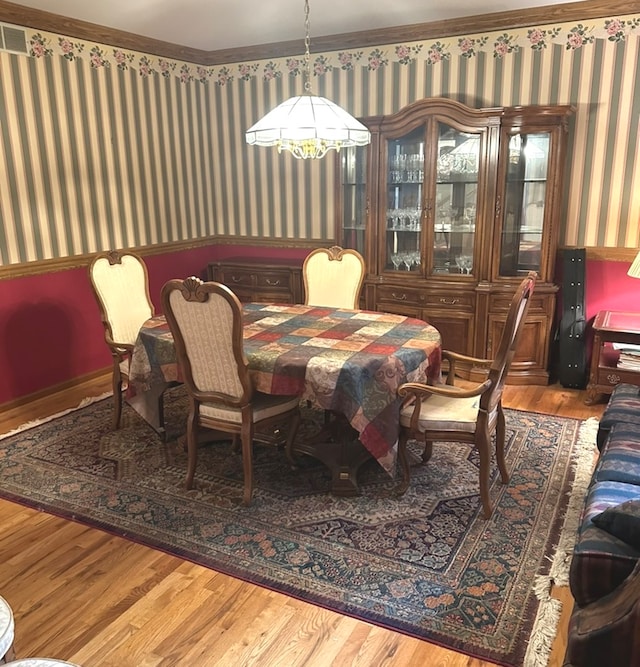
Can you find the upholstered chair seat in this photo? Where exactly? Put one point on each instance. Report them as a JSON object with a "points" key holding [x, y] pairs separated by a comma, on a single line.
{"points": [[445, 413], [264, 407]]}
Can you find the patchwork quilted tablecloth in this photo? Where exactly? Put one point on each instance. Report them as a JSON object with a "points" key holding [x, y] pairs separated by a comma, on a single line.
{"points": [[348, 361]]}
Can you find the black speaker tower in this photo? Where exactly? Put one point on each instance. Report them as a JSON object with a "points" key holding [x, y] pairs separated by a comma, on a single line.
{"points": [[572, 353]]}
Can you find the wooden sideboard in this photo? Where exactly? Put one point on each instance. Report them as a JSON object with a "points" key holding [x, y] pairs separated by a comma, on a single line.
{"points": [[259, 281]]}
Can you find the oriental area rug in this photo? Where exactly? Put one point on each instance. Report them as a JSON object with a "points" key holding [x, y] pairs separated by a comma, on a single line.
{"points": [[426, 564]]}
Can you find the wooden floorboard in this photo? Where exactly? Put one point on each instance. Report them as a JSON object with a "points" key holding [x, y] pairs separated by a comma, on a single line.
{"points": [[83, 595]]}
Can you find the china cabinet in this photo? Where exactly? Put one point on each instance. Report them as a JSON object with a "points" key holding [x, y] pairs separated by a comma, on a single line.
{"points": [[451, 206]]}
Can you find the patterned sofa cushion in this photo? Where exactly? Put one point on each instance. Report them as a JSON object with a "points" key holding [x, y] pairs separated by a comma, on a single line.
{"points": [[601, 561], [620, 458], [623, 407], [622, 521]]}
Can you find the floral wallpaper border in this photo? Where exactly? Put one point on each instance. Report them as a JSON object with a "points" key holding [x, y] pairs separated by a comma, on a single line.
{"points": [[499, 44]]}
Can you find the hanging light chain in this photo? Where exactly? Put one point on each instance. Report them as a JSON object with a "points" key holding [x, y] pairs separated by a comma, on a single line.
{"points": [[307, 49]]}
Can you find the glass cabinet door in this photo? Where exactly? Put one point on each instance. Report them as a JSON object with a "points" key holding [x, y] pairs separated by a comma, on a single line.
{"points": [[456, 201], [404, 197], [353, 164], [524, 202]]}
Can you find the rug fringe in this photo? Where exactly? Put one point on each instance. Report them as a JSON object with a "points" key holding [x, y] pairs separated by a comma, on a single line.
{"points": [[543, 633], [546, 624], [37, 422]]}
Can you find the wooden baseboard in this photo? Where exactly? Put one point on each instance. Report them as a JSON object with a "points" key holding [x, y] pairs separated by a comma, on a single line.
{"points": [[53, 400]]}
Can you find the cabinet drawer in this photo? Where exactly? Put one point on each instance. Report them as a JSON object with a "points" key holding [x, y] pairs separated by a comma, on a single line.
{"points": [[611, 375], [396, 294], [426, 298], [274, 280], [444, 300], [503, 302]]}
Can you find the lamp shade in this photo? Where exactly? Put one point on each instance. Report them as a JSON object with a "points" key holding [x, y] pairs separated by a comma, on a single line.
{"points": [[308, 126], [634, 269]]}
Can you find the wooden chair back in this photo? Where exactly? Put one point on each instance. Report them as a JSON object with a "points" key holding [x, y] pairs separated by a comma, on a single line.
{"points": [[206, 322], [333, 277], [511, 334], [121, 286]]}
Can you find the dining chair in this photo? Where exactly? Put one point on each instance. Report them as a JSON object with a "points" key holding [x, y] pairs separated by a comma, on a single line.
{"points": [[205, 319], [120, 284], [333, 277], [473, 414]]}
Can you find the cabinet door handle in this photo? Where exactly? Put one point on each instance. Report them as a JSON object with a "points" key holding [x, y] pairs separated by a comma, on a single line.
{"points": [[449, 302], [235, 279], [273, 283], [399, 297]]}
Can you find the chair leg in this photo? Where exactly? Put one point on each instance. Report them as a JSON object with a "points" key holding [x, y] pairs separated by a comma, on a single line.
{"points": [[427, 451], [192, 449], [291, 437], [500, 437], [403, 462], [482, 445], [247, 462], [116, 382]]}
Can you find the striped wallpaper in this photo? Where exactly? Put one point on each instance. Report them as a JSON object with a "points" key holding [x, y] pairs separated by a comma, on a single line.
{"points": [[103, 148]]}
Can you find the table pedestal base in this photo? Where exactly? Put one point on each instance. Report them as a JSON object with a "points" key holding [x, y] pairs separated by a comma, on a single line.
{"points": [[149, 405], [337, 446]]}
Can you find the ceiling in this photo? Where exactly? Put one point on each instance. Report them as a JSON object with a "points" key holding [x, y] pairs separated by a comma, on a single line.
{"points": [[212, 25]]}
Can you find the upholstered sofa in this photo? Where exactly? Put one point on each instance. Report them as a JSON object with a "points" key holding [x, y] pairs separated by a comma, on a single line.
{"points": [[605, 570]]}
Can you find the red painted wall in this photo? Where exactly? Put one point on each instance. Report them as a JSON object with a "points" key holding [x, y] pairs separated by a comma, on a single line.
{"points": [[608, 287], [51, 331], [50, 324]]}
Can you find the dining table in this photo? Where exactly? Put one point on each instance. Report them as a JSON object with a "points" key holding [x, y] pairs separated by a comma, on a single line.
{"points": [[346, 363]]}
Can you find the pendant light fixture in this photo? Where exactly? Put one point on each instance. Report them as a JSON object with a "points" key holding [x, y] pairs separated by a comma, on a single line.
{"points": [[308, 126]]}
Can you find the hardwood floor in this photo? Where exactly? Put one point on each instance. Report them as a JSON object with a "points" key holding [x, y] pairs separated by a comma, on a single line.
{"points": [[83, 595]]}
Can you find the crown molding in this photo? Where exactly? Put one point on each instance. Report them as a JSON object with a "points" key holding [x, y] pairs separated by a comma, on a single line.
{"points": [[587, 9]]}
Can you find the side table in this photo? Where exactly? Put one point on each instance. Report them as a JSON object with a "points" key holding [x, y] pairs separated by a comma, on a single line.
{"points": [[611, 327]]}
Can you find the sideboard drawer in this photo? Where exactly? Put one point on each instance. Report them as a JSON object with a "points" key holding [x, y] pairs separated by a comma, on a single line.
{"points": [[236, 277], [260, 281], [274, 280]]}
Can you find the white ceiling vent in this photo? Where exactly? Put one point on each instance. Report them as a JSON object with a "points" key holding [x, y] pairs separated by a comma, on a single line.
{"points": [[13, 39]]}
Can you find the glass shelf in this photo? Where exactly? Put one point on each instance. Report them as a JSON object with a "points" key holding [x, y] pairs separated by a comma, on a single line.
{"points": [[525, 196]]}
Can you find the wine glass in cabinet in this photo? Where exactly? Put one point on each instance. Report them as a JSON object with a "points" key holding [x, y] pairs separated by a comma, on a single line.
{"points": [[455, 201], [403, 204]]}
